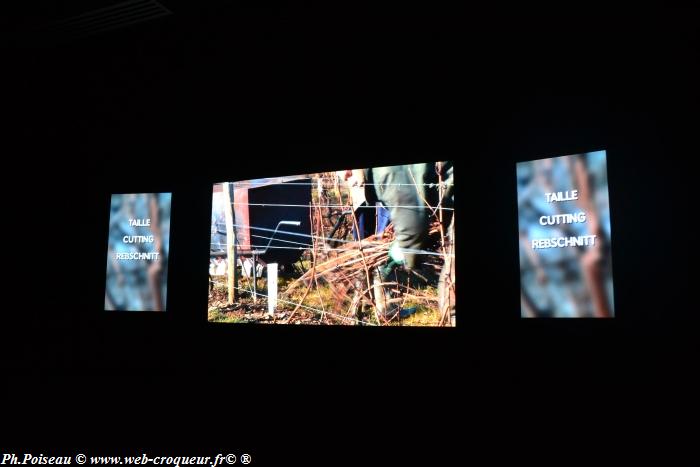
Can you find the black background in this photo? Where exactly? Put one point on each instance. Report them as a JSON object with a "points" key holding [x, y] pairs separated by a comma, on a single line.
{"points": [[215, 93]]}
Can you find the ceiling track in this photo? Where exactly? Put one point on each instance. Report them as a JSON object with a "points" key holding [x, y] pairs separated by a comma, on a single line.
{"points": [[113, 17]]}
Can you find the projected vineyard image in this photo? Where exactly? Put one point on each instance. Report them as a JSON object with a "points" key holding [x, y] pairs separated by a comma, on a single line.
{"points": [[366, 247]]}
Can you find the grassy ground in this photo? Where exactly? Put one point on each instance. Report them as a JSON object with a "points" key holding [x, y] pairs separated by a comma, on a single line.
{"points": [[245, 311], [218, 316]]}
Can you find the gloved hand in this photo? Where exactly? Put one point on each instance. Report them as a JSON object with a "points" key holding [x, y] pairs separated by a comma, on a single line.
{"points": [[396, 259]]}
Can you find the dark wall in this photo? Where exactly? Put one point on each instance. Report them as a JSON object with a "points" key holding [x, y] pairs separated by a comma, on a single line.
{"points": [[178, 105]]}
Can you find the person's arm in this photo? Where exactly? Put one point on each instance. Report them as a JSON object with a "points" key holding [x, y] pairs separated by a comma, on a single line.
{"points": [[395, 187]]}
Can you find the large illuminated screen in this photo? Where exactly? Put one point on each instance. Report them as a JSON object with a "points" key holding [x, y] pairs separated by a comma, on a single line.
{"points": [[365, 247], [564, 236], [137, 252]]}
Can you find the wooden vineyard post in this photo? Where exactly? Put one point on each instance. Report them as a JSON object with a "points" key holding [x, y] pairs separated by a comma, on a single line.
{"points": [[230, 244], [271, 288]]}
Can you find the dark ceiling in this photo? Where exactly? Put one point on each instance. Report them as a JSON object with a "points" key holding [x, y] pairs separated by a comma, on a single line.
{"points": [[211, 73]]}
